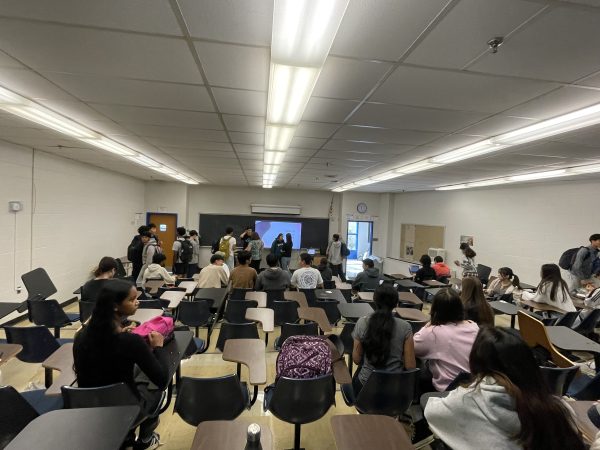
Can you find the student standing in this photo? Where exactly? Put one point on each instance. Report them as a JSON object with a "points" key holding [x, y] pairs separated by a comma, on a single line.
{"points": [[105, 353], [255, 247], [193, 267], [150, 248], [583, 265], [508, 405], [476, 306], [552, 290], [335, 257], [179, 265], [591, 300], [277, 247], [306, 277], [468, 263], [227, 247], [446, 340], [243, 276], [246, 237], [286, 252], [107, 267], [134, 252], [382, 341]]}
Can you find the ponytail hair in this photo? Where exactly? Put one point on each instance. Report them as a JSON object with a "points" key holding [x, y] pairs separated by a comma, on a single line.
{"points": [[106, 264], [507, 272], [380, 327]]}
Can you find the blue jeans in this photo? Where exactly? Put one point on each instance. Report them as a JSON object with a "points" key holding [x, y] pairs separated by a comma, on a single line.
{"points": [[285, 263]]}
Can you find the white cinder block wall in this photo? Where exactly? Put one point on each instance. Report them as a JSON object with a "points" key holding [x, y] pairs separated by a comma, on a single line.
{"points": [[73, 215], [520, 226]]}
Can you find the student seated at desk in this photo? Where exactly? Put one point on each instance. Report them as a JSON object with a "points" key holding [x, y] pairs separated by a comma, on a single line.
{"points": [[325, 270], [552, 290], [157, 270], [442, 270], [591, 300], [106, 353], [385, 341], [426, 272], [476, 306], [243, 276], [508, 405], [273, 278], [368, 279], [445, 342], [506, 282], [306, 277], [107, 267], [213, 275]]}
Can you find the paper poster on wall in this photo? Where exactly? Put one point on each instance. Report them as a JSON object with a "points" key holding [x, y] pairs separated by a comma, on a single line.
{"points": [[409, 250], [466, 239], [162, 227]]}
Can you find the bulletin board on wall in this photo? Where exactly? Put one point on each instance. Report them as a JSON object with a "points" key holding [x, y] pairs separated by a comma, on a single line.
{"points": [[315, 231], [415, 240]]}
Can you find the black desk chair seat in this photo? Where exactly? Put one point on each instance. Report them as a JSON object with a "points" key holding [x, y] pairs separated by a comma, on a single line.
{"points": [[461, 378], [235, 311], [329, 284], [239, 293], [15, 414], [386, 393], [202, 399], [38, 343], [567, 319], [153, 304], [274, 295], [331, 310], [416, 325], [286, 311], [558, 378], [295, 329], [236, 331], [348, 341], [197, 314], [300, 401], [48, 313], [311, 297], [483, 273], [85, 310], [585, 388], [587, 325]]}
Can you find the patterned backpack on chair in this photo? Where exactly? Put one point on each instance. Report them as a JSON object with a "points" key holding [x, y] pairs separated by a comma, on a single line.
{"points": [[304, 357]]}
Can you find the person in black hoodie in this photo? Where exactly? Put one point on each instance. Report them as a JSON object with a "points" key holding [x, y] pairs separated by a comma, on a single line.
{"points": [[368, 279], [273, 278], [134, 252], [325, 270], [426, 272], [286, 252]]}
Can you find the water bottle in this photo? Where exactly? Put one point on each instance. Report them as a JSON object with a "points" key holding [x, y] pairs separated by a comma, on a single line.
{"points": [[253, 437]]}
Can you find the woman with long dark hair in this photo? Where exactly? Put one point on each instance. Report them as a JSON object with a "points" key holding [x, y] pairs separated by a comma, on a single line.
{"points": [[468, 263], [445, 341], [508, 406], [255, 247], [552, 290], [505, 283], [286, 252], [106, 353], [426, 272], [106, 270], [385, 341], [476, 306]]}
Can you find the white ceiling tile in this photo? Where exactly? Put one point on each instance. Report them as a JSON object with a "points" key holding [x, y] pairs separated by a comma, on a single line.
{"points": [[328, 110], [235, 66], [362, 147], [240, 21], [463, 34], [172, 131], [589, 137], [409, 137], [246, 124], [315, 129], [246, 148], [412, 118], [556, 46], [152, 16], [347, 78], [453, 141], [106, 53], [454, 90], [31, 85], [306, 142], [497, 125], [247, 138], [134, 92], [78, 111], [236, 101], [9, 61], [213, 136], [383, 29], [164, 117]]}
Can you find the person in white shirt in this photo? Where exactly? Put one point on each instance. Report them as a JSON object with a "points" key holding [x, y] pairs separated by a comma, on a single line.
{"points": [[179, 267], [552, 290], [157, 270], [213, 275], [227, 247], [306, 277]]}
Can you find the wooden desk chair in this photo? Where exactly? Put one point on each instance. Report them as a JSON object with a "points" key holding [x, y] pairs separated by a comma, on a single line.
{"points": [[297, 296], [259, 297], [534, 334], [151, 286]]}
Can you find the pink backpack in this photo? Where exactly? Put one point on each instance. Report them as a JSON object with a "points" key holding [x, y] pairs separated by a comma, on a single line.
{"points": [[304, 357], [163, 325]]}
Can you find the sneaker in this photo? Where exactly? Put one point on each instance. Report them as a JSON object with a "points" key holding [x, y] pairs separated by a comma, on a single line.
{"points": [[151, 444]]}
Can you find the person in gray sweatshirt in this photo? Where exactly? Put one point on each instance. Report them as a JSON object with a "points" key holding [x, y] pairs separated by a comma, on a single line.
{"points": [[273, 278], [368, 279], [508, 406]]}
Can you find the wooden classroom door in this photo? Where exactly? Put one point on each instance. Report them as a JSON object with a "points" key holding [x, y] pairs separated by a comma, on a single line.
{"points": [[166, 229]]}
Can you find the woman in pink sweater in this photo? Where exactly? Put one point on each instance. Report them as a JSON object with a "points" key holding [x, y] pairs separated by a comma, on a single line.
{"points": [[446, 341]]}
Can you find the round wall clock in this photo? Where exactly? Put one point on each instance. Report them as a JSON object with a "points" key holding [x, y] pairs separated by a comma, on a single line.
{"points": [[361, 207]]}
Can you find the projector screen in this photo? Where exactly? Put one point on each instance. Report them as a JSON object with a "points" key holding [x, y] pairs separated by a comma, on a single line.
{"points": [[268, 231]]}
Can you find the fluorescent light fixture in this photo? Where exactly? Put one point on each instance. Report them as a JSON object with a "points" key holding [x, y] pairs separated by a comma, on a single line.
{"points": [[269, 169], [273, 157], [144, 161], [52, 120], [290, 89], [278, 138], [483, 183], [470, 151], [451, 187], [10, 98], [110, 146], [385, 176], [539, 175], [339, 189], [363, 182], [267, 186], [590, 168], [165, 170], [303, 30], [557, 125], [416, 167]]}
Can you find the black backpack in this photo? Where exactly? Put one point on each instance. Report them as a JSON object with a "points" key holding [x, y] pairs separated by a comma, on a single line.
{"points": [[134, 251], [567, 259], [344, 250], [186, 251], [214, 247]]}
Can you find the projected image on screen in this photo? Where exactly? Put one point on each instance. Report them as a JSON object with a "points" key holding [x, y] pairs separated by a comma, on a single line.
{"points": [[268, 231]]}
